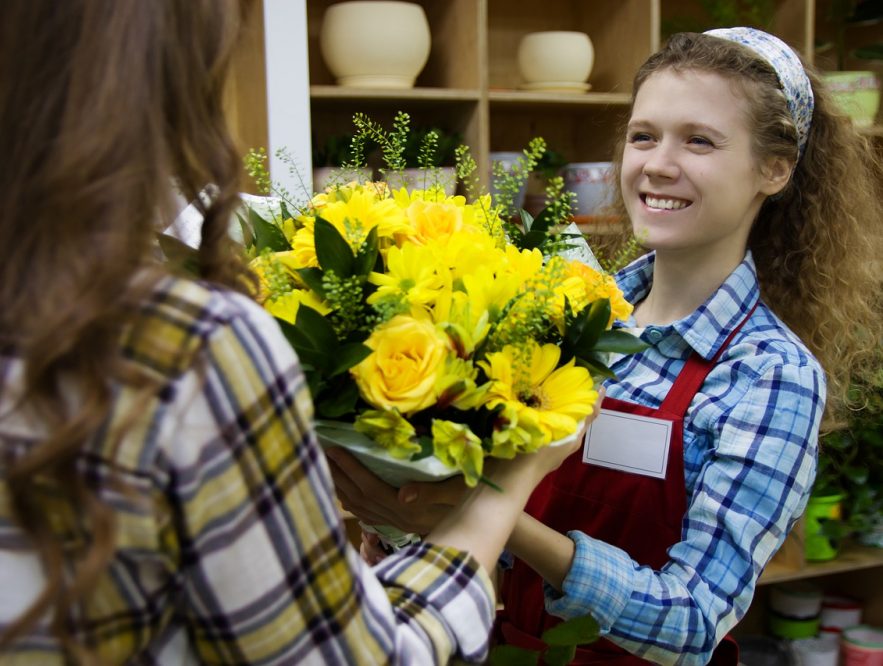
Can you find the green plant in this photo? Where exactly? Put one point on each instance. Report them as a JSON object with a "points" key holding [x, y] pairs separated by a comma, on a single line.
{"points": [[851, 462], [844, 13], [334, 151], [427, 147], [724, 14], [561, 643]]}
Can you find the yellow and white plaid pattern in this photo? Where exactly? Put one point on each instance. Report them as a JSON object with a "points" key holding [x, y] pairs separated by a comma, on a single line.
{"points": [[230, 545]]}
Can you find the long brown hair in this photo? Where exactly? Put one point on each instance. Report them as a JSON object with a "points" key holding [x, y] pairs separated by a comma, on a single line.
{"points": [[103, 104], [817, 245]]}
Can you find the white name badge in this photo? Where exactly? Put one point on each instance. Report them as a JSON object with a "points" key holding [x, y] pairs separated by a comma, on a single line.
{"points": [[629, 443]]}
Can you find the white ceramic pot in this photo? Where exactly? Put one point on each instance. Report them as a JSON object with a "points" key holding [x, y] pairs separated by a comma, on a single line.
{"points": [[422, 179], [325, 177], [592, 182], [556, 58], [375, 44], [507, 159]]}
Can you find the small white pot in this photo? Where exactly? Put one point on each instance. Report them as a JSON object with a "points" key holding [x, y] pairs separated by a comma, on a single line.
{"points": [[375, 43], [324, 177], [555, 57], [592, 182], [422, 179]]}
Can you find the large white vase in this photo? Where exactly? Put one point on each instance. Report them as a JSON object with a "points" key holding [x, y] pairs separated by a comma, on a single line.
{"points": [[374, 43]]}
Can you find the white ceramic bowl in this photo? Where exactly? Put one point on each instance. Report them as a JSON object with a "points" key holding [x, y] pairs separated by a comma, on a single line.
{"points": [[555, 57]]}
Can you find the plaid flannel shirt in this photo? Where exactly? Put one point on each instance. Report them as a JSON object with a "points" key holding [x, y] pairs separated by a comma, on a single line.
{"points": [[230, 544], [750, 453]]}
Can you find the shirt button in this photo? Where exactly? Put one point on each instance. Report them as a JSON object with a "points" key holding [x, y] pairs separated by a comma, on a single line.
{"points": [[654, 335]]}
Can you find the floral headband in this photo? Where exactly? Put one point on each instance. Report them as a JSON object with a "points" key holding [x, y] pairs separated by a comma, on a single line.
{"points": [[784, 61]]}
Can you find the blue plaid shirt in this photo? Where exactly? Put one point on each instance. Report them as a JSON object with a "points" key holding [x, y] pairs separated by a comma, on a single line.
{"points": [[750, 453]]}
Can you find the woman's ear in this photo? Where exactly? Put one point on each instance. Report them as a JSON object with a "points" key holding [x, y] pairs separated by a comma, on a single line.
{"points": [[775, 175]]}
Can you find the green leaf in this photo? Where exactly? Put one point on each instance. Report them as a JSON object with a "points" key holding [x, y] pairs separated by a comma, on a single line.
{"points": [[179, 255], [560, 655], [267, 235], [313, 278], [338, 401], [332, 250], [348, 355], [509, 655], [426, 448], [526, 219], [310, 352], [366, 257], [591, 322], [533, 239], [576, 631], [619, 342], [595, 368]]}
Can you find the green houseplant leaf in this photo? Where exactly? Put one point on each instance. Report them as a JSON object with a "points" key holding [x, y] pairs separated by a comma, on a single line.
{"points": [[332, 250], [267, 235]]}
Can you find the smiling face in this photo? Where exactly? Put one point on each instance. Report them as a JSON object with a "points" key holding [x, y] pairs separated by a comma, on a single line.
{"points": [[690, 182]]}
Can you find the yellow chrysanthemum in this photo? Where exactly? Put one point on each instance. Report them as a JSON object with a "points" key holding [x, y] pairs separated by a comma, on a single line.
{"points": [[354, 215], [412, 275], [527, 379], [583, 284], [457, 446], [286, 306], [390, 430]]}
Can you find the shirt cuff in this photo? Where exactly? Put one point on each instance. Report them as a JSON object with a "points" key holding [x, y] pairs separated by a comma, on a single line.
{"points": [[599, 583], [452, 586]]}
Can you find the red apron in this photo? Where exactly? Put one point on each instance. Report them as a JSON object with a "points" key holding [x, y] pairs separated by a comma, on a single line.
{"points": [[640, 514]]}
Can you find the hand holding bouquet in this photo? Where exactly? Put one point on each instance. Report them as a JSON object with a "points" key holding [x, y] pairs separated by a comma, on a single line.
{"points": [[434, 333]]}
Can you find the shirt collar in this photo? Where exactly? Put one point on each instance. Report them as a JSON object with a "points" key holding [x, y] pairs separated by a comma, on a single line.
{"points": [[707, 327]]}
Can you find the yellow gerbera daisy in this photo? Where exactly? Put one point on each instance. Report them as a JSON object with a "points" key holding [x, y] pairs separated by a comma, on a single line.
{"points": [[528, 379]]}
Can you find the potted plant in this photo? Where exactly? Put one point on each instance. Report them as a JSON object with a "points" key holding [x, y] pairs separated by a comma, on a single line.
{"points": [[329, 158], [547, 167], [850, 473], [428, 154], [856, 91], [723, 14]]}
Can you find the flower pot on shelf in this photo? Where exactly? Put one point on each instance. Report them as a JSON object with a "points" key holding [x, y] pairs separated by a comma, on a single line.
{"points": [[555, 60], [375, 43], [857, 94], [324, 177], [592, 182], [421, 179], [821, 509]]}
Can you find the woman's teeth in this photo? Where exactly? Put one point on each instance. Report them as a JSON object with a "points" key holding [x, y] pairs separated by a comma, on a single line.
{"points": [[665, 204]]}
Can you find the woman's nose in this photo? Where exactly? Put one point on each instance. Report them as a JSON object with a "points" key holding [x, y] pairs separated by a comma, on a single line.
{"points": [[661, 163]]}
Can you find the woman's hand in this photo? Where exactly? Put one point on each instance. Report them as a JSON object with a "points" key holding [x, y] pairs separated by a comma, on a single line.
{"points": [[415, 507]]}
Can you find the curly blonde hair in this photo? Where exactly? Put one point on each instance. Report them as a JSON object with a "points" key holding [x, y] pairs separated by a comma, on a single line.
{"points": [[817, 244]]}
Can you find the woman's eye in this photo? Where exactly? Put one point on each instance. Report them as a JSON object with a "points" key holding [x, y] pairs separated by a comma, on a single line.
{"points": [[637, 137], [700, 141]]}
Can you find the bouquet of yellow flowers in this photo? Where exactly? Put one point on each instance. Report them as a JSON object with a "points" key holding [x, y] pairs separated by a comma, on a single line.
{"points": [[433, 333]]}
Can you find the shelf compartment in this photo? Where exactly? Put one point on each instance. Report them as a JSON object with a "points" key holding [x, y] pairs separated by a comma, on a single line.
{"points": [[538, 99], [454, 60], [610, 25]]}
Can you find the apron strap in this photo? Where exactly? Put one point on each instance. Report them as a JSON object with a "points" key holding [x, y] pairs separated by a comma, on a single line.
{"points": [[694, 373]]}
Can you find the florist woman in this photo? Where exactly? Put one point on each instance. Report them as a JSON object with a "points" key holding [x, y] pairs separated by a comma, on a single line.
{"points": [[760, 204]]}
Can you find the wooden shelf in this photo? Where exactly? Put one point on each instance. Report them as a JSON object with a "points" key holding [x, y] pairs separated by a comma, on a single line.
{"points": [[852, 557], [527, 98], [394, 94]]}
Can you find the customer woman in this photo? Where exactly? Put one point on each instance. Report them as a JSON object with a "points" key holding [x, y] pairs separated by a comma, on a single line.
{"points": [[162, 496], [760, 204]]}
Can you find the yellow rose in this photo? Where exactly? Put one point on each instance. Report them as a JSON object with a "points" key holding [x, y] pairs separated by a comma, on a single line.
{"points": [[403, 370], [434, 220]]}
